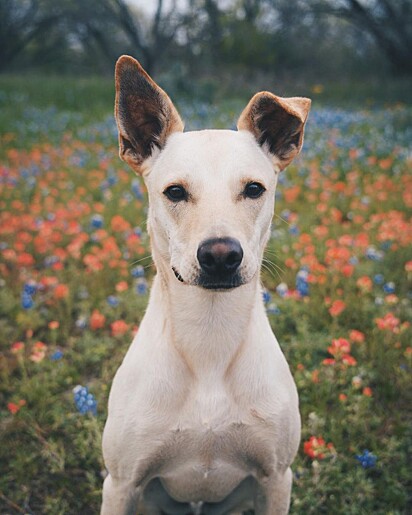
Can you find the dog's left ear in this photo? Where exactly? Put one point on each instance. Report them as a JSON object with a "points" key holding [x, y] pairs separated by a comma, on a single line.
{"points": [[144, 113], [277, 124]]}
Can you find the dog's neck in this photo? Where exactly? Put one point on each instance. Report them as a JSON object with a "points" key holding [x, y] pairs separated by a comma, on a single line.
{"points": [[207, 328]]}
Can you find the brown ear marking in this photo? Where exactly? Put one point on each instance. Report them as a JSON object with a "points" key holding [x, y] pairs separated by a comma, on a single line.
{"points": [[277, 124], [144, 113]]}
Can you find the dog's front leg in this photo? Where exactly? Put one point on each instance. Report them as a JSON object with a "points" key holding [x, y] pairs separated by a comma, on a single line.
{"points": [[273, 495], [119, 497]]}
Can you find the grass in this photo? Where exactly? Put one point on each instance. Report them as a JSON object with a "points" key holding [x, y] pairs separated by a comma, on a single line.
{"points": [[75, 270]]}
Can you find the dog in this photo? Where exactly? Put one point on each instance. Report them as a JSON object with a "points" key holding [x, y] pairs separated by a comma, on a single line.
{"points": [[203, 413]]}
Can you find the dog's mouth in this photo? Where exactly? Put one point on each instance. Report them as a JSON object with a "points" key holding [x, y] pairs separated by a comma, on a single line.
{"points": [[177, 275], [213, 283], [219, 283]]}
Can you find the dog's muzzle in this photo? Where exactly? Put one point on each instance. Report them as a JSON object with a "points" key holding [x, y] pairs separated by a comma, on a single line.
{"points": [[219, 260]]}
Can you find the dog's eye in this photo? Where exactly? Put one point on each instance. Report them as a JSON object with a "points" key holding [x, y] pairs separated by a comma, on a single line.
{"points": [[253, 190], [176, 193]]}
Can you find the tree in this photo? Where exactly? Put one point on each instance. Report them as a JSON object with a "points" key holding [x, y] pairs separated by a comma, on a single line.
{"points": [[388, 22], [22, 22]]}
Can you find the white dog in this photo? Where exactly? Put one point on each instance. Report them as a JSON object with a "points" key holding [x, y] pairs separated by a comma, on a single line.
{"points": [[203, 412]]}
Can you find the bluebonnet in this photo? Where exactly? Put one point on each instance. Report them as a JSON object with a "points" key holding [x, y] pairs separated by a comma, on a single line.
{"points": [[266, 296], [137, 271], [58, 354], [84, 401], [113, 301], [366, 459], [294, 230], [96, 221], [136, 189], [378, 279], [389, 287], [141, 286], [302, 285], [272, 309], [81, 322], [282, 289], [29, 289], [27, 301], [374, 254]]}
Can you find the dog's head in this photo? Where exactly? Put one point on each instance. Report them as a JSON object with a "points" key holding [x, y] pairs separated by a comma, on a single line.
{"points": [[211, 192]]}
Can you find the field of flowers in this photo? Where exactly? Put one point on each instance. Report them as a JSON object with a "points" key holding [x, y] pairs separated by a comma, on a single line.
{"points": [[75, 270]]}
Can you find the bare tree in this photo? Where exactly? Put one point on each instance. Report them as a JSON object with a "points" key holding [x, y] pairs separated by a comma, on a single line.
{"points": [[388, 22], [21, 22]]}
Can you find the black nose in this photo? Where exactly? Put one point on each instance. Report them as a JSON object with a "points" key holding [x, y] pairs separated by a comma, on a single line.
{"points": [[220, 256]]}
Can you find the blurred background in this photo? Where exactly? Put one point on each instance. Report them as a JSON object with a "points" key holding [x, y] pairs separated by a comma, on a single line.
{"points": [[207, 48]]}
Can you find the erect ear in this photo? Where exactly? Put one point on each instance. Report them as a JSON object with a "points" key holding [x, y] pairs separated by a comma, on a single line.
{"points": [[277, 124], [145, 115]]}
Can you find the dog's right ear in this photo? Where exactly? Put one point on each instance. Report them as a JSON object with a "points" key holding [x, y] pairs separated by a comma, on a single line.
{"points": [[144, 113]]}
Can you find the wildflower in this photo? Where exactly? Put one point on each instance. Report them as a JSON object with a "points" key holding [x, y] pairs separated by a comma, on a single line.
{"points": [[54, 324], [27, 301], [337, 307], [97, 320], [302, 285], [378, 279], [343, 397], [113, 301], [17, 347], [122, 286], [266, 296], [84, 401], [96, 221], [357, 382], [141, 286], [388, 323], [119, 327], [282, 289], [339, 347], [137, 271], [364, 283], [15, 407], [58, 354], [61, 291], [273, 309], [356, 336], [38, 352], [366, 459], [316, 448], [389, 287], [367, 391]]}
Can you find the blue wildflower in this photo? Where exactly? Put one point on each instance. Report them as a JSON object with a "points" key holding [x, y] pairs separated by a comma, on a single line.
{"points": [[389, 287], [137, 271], [378, 279], [96, 221], [136, 189], [141, 286], [27, 301], [272, 309], [302, 285], [84, 401], [81, 322], [282, 289], [266, 296], [366, 459], [294, 230], [113, 301], [58, 354], [30, 288]]}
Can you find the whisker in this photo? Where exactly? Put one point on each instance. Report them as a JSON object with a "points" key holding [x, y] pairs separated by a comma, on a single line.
{"points": [[137, 261], [282, 219]]}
